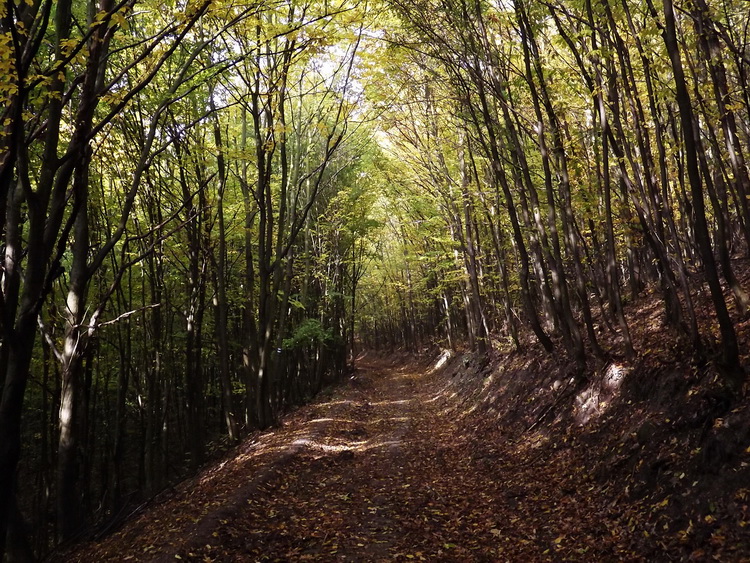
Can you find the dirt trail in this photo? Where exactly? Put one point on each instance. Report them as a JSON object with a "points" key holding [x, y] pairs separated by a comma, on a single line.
{"points": [[380, 471]]}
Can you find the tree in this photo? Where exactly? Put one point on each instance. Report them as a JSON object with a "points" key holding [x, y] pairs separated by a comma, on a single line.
{"points": [[730, 349]]}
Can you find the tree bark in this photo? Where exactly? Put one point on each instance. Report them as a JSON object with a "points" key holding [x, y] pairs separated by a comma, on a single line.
{"points": [[734, 375]]}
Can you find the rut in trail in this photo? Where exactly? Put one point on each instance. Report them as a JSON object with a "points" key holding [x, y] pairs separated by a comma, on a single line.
{"points": [[381, 470]]}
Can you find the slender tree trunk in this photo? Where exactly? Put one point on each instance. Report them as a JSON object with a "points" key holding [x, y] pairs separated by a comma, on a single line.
{"points": [[539, 98], [730, 352], [613, 282], [480, 335], [711, 49], [499, 174], [222, 305], [69, 450]]}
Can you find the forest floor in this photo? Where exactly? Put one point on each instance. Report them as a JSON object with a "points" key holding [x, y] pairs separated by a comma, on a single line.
{"points": [[406, 462]]}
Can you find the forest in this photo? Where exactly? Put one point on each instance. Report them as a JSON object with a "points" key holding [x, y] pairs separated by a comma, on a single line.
{"points": [[210, 207]]}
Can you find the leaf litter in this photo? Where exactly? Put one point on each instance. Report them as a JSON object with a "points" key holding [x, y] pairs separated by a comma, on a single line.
{"points": [[476, 461]]}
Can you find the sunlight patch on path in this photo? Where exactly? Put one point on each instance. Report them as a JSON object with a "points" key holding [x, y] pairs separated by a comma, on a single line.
{"points": [[445, 355], [596, 398]]}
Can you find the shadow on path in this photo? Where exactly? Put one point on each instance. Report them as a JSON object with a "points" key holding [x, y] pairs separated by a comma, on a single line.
{"points": [[382, 471]]}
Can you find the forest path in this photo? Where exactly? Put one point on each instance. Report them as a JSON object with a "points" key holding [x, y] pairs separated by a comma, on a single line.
{"points": [[381, 470]]}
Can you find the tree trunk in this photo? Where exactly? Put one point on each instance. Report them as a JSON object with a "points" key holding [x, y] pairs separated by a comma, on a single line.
{"points": [[734, 375], [222, 306]]}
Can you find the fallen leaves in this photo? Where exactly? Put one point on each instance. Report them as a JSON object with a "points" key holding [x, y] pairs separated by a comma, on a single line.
{"points": [[425, 478]]}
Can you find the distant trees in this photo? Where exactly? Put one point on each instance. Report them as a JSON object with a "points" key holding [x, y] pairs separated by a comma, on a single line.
{"points": [[592, 146]]}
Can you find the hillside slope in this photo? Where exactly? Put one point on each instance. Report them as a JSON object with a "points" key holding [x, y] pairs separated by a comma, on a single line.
{"points": [[657, 440]]}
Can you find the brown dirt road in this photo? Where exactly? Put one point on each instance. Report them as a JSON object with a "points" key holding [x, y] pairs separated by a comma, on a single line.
{"points": [[384, 468]]}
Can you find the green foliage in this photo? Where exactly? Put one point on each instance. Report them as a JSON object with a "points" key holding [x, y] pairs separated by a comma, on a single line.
{"points": [[308, 333]]}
